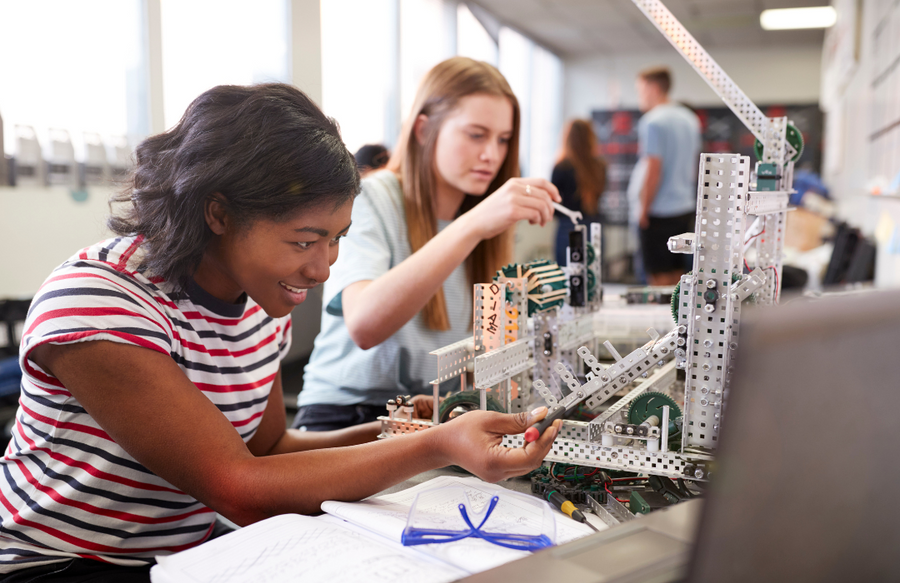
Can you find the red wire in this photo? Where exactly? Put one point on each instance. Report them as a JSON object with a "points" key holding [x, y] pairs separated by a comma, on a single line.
{"points": [[613, 495], [755, 236]]}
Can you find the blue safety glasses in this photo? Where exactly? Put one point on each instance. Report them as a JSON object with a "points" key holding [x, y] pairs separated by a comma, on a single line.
{"points": [[507, 519]]}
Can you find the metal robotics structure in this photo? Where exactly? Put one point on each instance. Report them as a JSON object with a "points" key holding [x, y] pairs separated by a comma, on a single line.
{"points": [[737, 247], [503, 357]]}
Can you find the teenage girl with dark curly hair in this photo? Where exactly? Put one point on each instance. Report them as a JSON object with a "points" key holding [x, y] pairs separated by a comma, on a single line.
{"points": [[151, 396]]}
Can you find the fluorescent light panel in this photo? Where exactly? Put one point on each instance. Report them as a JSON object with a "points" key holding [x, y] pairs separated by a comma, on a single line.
{"points": [[793, 18]]}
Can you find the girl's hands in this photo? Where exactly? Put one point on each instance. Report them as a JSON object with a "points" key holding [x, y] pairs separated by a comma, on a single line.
{"points": [[473, 441], [520, 199], [424, 405]]}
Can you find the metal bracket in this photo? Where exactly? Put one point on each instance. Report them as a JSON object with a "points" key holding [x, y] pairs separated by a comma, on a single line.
{"points": [[663, 376], [611, 513], [761, 203], [681, 243], [751, 282], [611, 380], [504, 362], [545, 392], [454, 359], [575, 332]]}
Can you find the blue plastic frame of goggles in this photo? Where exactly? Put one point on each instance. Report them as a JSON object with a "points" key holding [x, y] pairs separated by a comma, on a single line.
{"points": [[519, 542]]}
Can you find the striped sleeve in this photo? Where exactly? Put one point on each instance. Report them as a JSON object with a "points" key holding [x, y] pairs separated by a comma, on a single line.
{"points": [[87, 300], [284, 345]]}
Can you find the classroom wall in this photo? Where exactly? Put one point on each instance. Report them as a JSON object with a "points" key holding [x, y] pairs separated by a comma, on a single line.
{"points": [[861, 99], [40, 227], [767, 76]]}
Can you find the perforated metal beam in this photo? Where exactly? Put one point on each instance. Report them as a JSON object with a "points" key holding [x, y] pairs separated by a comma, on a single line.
{"points": [[770, 134]]}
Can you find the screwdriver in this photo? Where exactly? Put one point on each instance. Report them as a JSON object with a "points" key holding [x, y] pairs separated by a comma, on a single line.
{"points": [[534, 432], [566, 507]]}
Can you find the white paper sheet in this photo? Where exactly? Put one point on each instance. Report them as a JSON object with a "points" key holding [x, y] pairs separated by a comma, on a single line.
{"points": [[295, 548]]}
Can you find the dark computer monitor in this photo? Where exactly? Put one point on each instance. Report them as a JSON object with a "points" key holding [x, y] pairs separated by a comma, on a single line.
{"points": [[807, 484]]}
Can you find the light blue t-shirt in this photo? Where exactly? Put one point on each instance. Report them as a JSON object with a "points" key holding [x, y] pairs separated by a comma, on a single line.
{"points": [[671, 132], [339, 372]]}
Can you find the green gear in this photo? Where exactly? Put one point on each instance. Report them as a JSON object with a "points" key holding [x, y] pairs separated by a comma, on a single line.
{"points": [[651, 403], [592, 285], [467, 401], [591, 254], [794, 138], [674, 302], [513, 269]]}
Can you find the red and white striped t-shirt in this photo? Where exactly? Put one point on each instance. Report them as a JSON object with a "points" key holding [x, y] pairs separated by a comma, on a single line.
{"points": [[68, 490]]}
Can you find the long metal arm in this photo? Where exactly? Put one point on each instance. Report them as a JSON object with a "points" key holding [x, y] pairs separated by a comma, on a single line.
{"points": [[746, 111], [606, 381]]}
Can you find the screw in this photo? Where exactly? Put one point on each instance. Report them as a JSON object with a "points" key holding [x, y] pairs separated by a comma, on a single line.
{"points": [[710, 283], [708, 343], [704, 402], [629, 430], [698, 473]]}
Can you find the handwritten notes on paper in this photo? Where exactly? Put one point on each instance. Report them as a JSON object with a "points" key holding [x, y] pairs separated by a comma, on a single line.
{"points": [[295, 548]]}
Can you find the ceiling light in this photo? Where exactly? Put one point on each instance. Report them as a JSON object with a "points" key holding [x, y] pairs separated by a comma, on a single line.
{"points": [[792, 18]]}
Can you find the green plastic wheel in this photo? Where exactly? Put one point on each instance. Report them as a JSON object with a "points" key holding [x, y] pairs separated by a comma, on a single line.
{"points": [[651, 403], [465, 401], [674, 302]]}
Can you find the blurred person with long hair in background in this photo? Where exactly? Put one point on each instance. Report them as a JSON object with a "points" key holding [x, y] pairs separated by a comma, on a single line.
{"points": [[580, 177]]}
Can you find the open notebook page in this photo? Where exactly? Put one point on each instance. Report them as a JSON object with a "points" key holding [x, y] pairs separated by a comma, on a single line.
{"points": [[294, 548], [386, 515]]}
